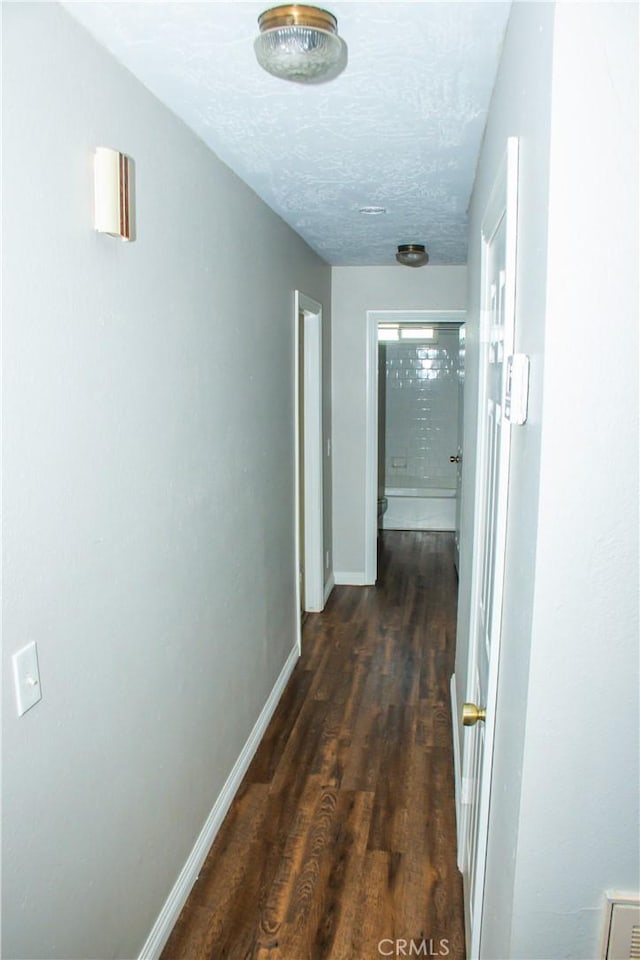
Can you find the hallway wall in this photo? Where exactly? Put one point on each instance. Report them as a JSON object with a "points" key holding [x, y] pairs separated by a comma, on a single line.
{"points": [[354, 291], [148, 490], [584, 645], [564, 800]]}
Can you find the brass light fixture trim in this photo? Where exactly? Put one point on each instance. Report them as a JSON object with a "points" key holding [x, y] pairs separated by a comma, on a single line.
{"points": [[412, 255], [301, 43], [297, 15]]}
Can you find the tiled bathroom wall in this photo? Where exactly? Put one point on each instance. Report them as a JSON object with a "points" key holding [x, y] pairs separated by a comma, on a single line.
{"points": [[420, 411]]}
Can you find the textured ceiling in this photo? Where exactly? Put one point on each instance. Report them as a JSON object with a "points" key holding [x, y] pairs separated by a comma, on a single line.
{"points": [[400, 128]]}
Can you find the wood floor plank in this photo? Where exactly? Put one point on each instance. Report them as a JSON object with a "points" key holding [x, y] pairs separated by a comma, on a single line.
{"points": [[335, 927], [269, 755], [225, 876], [342, 833], [375, 905], [364, 757]]}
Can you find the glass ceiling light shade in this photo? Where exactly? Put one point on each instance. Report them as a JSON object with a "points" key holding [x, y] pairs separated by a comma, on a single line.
{"points": [[412, 255], [300, 43]]}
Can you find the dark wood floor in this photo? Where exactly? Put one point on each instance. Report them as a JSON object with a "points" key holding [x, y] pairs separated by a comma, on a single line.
{"points": [[342, 834]]}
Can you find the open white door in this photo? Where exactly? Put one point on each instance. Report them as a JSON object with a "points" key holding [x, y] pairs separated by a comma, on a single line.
{"points": [[497, 327], [308, 432]]}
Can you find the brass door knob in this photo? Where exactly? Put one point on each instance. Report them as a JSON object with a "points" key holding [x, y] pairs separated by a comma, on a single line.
{"points": [[457, 459], [471, 714]]}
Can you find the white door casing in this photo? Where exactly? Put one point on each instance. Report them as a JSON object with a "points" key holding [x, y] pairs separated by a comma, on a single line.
{"points": [[497, 333], [312, 508], [461, 374]]}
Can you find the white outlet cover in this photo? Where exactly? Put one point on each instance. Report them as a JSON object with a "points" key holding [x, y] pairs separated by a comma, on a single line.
{"points": [[26, 678]]}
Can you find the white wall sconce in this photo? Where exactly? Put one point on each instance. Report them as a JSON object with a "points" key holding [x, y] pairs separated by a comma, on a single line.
{"points": [[113, 193]]}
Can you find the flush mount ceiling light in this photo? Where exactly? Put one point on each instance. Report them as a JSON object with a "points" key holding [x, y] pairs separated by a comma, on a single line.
{"points": [[372, 211], [300, 43], [412, 255]]}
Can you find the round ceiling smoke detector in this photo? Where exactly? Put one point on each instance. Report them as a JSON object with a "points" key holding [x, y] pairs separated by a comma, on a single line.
{"points": [[412, 255], [300, 43], [372, 211]]}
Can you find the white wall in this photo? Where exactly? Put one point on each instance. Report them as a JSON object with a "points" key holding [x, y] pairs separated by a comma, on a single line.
{"points": [[354, 291], [564, 802], [583, 723], [148, 490]]}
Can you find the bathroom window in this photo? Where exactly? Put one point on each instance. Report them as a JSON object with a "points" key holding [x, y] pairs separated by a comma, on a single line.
{"points": [[391, 332]]}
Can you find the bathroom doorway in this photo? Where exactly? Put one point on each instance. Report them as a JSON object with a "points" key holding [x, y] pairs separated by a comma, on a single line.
{"points": [[413, 393]]}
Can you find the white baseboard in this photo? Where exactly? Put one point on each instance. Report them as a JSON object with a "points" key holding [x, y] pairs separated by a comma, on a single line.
{"points": [[328, 587], [457, 773], [357, 579], [176, 900]]}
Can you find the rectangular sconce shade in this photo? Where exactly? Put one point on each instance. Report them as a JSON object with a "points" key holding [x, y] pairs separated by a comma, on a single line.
{"points": [[112, 172]]}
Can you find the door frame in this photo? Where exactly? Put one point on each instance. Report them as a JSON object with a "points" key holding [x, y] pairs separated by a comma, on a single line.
{"points": [[374, 317], [313, 600], [503, 201], [461, 385]]}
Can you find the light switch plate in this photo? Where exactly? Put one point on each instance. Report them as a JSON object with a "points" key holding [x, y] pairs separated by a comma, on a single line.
{"points": [[26, 678]]}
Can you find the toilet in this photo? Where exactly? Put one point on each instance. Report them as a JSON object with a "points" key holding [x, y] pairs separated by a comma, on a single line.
{"points": [[382, 509]]}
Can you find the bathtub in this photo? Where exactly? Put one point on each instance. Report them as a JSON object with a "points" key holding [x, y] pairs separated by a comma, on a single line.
{"points": [[419, 508]]}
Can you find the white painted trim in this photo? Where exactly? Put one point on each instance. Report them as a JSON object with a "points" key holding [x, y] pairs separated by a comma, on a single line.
{"points": [[328, 587], [176, 900], [296, 466], [503, 201], [456, 757], [357, 579], [313, 453], [371, 453], [425, 317], [374, 317], [313, 507]]}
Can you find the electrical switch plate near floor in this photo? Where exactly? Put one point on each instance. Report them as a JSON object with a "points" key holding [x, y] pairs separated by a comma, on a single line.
{"points": [[26, 678]]}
